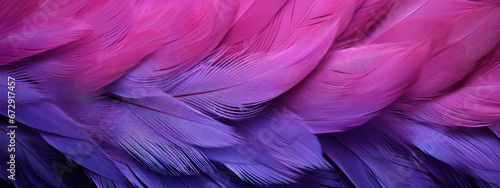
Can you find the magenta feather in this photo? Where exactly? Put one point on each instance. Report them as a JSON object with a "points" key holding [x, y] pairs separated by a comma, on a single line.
{"points": [[250, 93], [352, 79]]}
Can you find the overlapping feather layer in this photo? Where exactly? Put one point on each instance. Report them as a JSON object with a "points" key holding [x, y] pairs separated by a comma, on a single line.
{"points": [[244, 93]]}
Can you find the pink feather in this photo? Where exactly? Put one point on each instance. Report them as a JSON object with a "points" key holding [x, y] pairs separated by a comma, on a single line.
{"points": [[351, 85]]}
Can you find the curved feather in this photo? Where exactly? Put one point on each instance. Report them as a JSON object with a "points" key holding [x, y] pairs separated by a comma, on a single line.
{"points": [[473, 151], [162, 133], [56, 33], [365, 17], [474, 104], [60, 131], [371, 156], [449, 176], [462, 51], [89, 155], [36, 162], [287, 140], [230, 93], [144, 178], [252, 21], [297, 19], [495, 127], [33, 27], [14, 12], [350, 86], [227, 88], [33, 106], [322, 178], [296, 39], [156, 149], [78, 67], [206, 23], [276, 149], [452, 27]]}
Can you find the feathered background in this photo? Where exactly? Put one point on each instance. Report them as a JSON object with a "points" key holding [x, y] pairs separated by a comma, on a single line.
{"points": [[252, 93]]}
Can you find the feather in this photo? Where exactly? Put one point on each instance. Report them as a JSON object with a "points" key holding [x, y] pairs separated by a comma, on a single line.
{"points": [[474, 104], [251, 93], [276, 149], [414, 21], [449, 176], [145, 178], [56, 33], [228, 89], [61, 132], [462, 52], [37, 164], [216, 85], [34, 27], [152, 149], [49, 118], [78, 67], [495, 127], [36, 112], [162, 133], [289, 141], [297, 19], [103, 182], [349, 87], [372, 157], [28, 91], [92, 157], [323, 178], [452, 29], [14, 13], [472, 151], [184, 121], [366, 15], [276, 30], [206, 24], [252, 21]]}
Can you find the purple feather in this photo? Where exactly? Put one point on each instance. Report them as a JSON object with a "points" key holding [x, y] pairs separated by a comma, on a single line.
{"points": [[250, 93]]}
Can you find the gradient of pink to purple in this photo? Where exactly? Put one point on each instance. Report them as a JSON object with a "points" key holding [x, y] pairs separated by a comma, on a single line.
{"points": [[250, 93]]}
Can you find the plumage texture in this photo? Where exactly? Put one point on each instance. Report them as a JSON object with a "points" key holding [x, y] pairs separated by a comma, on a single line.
{"points": [[250, 93], [352, 85]]}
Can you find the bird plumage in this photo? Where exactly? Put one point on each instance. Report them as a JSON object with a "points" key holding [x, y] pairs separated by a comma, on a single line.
{"points": [[235, 93]]}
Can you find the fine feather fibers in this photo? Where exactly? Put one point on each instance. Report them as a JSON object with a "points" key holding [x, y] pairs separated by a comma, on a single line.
{"points": [[351, 79], [236, 87], [474, 104], [251, 93]]}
